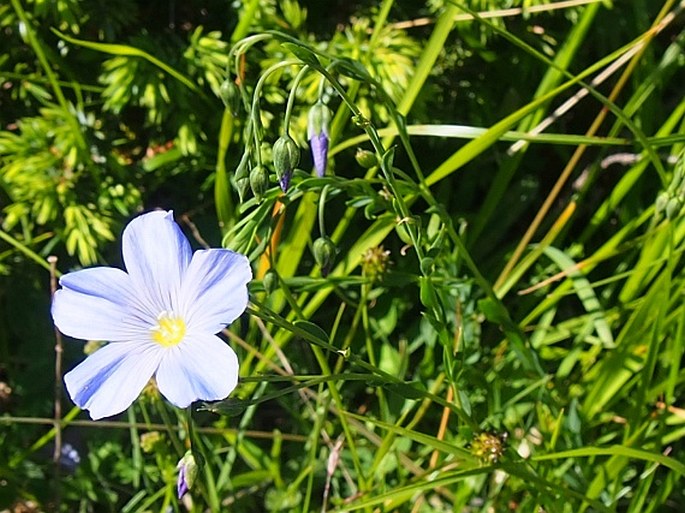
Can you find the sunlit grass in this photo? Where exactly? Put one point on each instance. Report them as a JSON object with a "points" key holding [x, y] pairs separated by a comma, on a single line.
{"points": [[502, 326]]}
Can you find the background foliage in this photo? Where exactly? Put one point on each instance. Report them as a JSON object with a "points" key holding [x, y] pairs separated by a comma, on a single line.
{"points": [[502, 326]]}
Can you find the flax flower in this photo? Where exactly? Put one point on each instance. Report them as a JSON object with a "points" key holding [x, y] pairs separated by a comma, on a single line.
{"points": [[160, 319]]}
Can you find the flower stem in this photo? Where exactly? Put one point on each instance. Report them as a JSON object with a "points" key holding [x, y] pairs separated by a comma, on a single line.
{"points": [[57, 452], [291, 98], [322, 203], [254, 111]]}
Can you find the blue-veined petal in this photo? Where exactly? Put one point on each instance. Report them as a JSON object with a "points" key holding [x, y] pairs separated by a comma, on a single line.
{"points": [[156, 254], [202, 367], [214, 291], [99, 304], [109, 380]]}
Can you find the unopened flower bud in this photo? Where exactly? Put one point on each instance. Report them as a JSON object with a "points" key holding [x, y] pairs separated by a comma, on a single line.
{"points": [[230, 95], [366, 158], [241, 177], [187, 473], [673, 208], [270, 281], [324, 253], [317, 132], [259, 182], [661, 202], [286, 156]]}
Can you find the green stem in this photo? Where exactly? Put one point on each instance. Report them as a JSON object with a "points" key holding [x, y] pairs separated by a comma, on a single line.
{"points": [[379, 22], [246, 20], [322, 203], [254, 111], [175, 441], [291, 98]]}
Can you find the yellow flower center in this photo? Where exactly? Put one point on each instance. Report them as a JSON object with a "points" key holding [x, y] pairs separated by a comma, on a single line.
{"points": [[169, 331]]}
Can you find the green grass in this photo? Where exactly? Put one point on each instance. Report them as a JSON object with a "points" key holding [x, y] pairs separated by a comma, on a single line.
{"points": [[503, 325]]}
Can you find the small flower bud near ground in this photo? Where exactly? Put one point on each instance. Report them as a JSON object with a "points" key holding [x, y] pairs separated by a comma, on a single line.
{"points": [[187, 473]]}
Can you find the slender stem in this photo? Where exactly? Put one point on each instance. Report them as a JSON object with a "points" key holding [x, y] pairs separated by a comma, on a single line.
{"points": [[28, 252], [287, 293], [245, 21], [291, 98], [190, 428], [254, 111], [148, 426], [379, 22], [175, 441], [322, 88], [322, 203], [57, 452], [380, 150]]}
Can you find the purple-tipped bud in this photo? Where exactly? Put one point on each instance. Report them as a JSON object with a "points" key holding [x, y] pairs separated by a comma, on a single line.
{"points": [[286, 156], [187, 472], [317, 132], [181, 483], [319, 146], [284, 180]]}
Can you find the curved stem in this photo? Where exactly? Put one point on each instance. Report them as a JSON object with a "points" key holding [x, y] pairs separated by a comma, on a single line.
{"points": [[322, 202], [254, 111], [291, 98]]}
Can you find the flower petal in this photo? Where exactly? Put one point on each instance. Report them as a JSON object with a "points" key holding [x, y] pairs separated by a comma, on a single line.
{"points": [[214, 290], [156, 254], [98, 304], [109, 380], [319, 146], [201, 367]]}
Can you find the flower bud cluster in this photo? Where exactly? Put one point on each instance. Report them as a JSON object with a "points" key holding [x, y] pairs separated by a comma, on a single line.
{"points": [[285, 151], [670, 202]]}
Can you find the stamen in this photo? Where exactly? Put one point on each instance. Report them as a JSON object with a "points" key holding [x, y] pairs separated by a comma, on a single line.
{"points": [[169, 331]]}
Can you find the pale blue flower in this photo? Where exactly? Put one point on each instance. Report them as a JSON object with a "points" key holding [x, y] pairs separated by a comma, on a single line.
{"points": [[160, 317]]}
